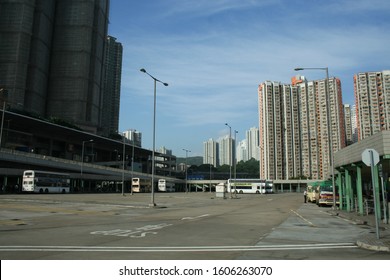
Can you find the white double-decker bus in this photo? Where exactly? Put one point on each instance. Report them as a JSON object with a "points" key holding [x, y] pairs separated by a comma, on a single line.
{"points": [[259, 186], [164, 186], [141, 185], [45, 182]]}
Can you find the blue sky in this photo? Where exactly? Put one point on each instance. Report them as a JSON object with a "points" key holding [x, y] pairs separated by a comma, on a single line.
{"points": [[215, 53]]}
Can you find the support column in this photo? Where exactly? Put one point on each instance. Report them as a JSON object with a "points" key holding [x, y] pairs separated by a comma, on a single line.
{"points": [[359, 189], [348, 190], [5, 183], [341, 191]]}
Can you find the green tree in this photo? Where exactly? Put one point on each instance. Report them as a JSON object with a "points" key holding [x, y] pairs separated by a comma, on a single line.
{"points": [[250, 168]]}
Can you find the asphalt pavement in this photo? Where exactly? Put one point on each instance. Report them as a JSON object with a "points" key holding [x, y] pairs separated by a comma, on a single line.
{"points": [[267, 225], [376, 239]]}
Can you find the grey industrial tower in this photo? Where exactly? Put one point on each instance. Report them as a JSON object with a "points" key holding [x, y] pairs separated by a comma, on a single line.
{"points": [[52, 58]]}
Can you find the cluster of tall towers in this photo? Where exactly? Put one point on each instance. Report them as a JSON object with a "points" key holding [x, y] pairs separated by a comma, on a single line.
{"points": [[303, 123], [57, 61], [225, 150]]}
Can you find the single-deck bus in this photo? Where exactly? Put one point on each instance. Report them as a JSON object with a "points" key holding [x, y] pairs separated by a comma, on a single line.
{"points": [[164, 186], [45, 182], [259, 186], [141, 185]]}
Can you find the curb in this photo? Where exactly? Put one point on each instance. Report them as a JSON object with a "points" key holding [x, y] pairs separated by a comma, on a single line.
{"points": [[368, 242], [371, 247]]}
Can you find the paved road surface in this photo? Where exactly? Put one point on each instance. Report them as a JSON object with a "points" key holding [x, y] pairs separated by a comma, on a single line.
{"points": [[182, 226]]}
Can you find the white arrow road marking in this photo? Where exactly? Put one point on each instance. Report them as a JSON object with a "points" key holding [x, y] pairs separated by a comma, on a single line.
{"points": [[143, 234]]}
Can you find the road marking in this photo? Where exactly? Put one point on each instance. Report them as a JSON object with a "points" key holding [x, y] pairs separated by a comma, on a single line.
{"points": [[197, 217], [300, 216], [315, 246], [133, 233]]}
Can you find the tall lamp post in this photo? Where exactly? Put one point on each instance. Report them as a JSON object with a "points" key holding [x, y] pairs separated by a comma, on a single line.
{"points": [[187, 151], [210, 169], [82, 161], [230, 150], [235, 162], [152, 203], [132, 161], [331, 155], [230, 157]]}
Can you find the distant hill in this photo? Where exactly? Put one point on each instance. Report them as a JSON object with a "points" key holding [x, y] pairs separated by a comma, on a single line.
{"points": [[190, 160]]}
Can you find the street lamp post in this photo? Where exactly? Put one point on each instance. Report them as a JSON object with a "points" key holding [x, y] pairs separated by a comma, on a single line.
{"points": [[230, 150], [331, 155], [235, 162], [152, 203], [230, 157], [82, 161], [187, 151], [210, 170], [132, 163]]}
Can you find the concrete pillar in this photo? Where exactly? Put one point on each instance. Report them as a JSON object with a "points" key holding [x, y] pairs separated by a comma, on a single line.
{"points": [[359, 189], [348, 190], [5, 183], [341, 189]]}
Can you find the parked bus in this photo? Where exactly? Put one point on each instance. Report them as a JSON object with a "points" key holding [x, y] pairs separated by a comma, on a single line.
{"points": [[45, 182], [259, 186], [164, 186], [141, 185]]}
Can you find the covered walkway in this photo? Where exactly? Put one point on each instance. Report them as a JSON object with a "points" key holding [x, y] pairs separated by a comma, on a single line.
{"points": [[355, 186]]}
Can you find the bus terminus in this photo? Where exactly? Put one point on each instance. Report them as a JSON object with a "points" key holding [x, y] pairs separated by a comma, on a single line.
{"points": [[164, 186], [141, 185], [45, 182], [250, 186]]}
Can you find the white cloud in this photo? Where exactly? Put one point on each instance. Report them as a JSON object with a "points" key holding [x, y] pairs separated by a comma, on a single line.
{"points": [[213, 68]]}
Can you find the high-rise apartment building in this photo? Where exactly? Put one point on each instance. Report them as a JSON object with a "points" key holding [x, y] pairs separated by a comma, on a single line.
{"points": [[242, 150], [165, 151], [354, 124], [348, 117], [291, 138], [226, 150], [135, 137], [295, 132], [252, 143], [52, 55], [270, 129], [112, 86], [279, 139], [372, 100], [211, 152]]}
